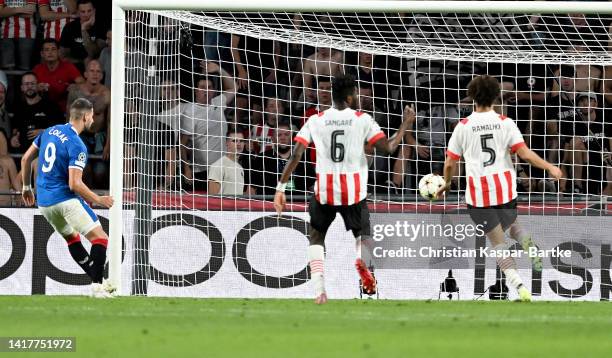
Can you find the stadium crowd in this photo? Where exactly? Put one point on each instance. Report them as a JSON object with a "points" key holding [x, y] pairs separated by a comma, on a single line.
{"points": [[52, 51], [225, 124]]}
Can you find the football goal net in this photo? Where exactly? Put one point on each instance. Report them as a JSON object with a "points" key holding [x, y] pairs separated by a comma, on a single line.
{"points": [[207, 98]]}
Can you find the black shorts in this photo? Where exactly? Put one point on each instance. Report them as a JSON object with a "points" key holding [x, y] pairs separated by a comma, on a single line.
{"points": [[489, 217], [356, 217]]}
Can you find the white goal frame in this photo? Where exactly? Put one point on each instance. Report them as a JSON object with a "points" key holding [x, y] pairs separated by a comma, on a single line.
{"points": [[118, 62]]}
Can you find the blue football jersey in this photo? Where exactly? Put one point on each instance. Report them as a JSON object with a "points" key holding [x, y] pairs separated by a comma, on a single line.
{"points": [[60, 148]]}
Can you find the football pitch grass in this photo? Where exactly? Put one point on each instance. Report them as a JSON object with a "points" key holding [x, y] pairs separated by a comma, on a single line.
{"points": [[182, 327]]}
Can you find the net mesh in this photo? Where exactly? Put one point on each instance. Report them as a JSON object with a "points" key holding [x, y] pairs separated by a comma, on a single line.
{"points": [[213, 100]]}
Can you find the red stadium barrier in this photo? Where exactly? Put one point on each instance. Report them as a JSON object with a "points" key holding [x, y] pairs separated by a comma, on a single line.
{"points": [[200, 201]]}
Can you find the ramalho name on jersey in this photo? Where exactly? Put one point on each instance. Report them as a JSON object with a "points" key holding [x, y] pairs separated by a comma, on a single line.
{"points": [[485, 140], [341, 165], [60, 148]]}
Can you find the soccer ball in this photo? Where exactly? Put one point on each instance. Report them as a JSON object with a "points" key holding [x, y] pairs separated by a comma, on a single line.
{"points": [[429, 186]]}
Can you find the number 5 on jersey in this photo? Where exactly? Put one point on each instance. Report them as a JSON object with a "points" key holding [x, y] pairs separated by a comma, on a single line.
{"points": [[487, 149]]}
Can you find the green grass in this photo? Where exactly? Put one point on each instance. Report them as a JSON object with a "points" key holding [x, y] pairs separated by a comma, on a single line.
{"points": [[156, 327]]}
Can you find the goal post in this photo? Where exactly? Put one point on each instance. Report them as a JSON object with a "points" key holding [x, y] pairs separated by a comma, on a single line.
{"points": [[179, 15], [116, 167], [550, 7]]}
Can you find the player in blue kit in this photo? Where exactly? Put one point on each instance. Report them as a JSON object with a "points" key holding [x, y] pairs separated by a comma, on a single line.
{"points": [[62, 195]]}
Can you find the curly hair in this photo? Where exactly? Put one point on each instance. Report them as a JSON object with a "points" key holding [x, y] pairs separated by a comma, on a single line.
{"points": [[484, 90], [343, 86]]}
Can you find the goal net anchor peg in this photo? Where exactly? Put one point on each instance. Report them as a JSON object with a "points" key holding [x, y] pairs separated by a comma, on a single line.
{"points": [[449, 285]]}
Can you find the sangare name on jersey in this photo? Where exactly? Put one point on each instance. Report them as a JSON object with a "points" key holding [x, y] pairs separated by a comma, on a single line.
{"points": [[60, 148], [341, 165], [486, 139]]}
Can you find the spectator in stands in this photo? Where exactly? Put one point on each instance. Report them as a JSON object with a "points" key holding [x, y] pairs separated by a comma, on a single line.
{"points": [[9, 178], [136, 57], [83, 38], [606, 89], [33, 114], [96, 138], [205, 123], [8, 171], [250, 117], [386, 172], [431, 129], [166, 135], [528, 95], [587, 143], [606, 85], [380, 166], [586, 77], [262, 134], [363, 71], [265, 169], [241, 75], [244, 102], [55, 14], [559, 111], [5, 115], [130, 139], [369, 77], [103, 13], [18, 32], [217, 45], [226, 175], [503, 105], [524, 91], [55, 74], [242, 113], [321, 101], [575, 30], [401, 166], [608, 187], [256, 63], [558, 32], [105, 59], [366, 104], [324, 62]]}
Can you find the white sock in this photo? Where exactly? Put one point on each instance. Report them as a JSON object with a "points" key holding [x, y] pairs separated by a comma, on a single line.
{"points": [[508, 267], [316, 255], [358, 246]]}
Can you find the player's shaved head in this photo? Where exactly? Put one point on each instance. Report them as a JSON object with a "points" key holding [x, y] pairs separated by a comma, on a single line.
{"points": [[79, 108], [343, 87], [484, 90]]}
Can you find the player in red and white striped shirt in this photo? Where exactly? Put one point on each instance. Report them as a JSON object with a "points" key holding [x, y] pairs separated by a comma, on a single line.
{"points": [[486, 140], [56, 14], [17, 33], [340, 134]]}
